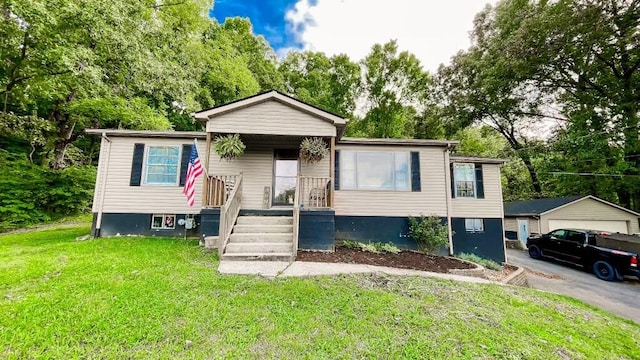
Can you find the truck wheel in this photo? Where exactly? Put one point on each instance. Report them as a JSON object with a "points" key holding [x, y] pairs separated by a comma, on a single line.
{"points": [[535, 252], [604, 270]]}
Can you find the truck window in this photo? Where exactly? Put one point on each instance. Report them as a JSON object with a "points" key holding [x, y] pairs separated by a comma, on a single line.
{"points": [[576, 237], [559, 234], [591, 240]]}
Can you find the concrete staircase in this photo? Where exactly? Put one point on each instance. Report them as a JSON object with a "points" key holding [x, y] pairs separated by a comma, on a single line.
{"points": [[261, 238]]}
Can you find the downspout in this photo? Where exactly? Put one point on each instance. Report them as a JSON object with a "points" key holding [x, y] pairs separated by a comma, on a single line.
{"points": [[447, 177], [504, 243], [103, 184]]}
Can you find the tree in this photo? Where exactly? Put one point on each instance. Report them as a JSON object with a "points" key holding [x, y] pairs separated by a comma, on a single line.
{"points": [[58, 56], [329, 83], [394, 86]]}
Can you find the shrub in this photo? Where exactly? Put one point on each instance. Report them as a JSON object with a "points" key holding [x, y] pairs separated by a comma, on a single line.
{"points": [[351, 244], [31, 194], [375, 248], [313, 149], [428, 232], [390, 248], [489, 264], [369, 248], [229, 147]]}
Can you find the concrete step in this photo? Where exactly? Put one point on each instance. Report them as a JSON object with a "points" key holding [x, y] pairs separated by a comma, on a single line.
{"points": [[264, 220], [259, 248], [282, 229], [261, 238], [259, 256]]}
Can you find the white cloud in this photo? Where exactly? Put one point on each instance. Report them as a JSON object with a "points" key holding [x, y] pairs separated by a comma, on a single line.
{"points": [[433, 30]]}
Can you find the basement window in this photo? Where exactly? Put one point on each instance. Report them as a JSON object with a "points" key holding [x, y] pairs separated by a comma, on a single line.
{"points": [[474, 225], [163, 221]]}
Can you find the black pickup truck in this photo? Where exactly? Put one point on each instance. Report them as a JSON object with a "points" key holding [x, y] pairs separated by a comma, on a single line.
{"points": [[597, 251]]}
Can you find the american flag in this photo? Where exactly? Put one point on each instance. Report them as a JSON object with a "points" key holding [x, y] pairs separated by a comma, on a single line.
{"points": [[193, 171]]}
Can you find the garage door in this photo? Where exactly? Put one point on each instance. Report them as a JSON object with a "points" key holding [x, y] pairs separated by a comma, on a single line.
{"points": [[604, 225]]}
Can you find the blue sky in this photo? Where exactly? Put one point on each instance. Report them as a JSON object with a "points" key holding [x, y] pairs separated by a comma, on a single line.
{"points": [[267, 17]]}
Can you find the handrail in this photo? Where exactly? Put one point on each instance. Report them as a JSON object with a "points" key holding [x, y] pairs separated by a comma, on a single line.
{"points": [[296, 217], [229, 214], [314, 191]]}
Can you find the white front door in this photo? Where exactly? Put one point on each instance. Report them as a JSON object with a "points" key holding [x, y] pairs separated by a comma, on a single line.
{"points": [[523, 230]]}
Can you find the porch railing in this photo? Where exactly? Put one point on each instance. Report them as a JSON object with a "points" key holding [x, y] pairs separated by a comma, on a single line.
{"points": [[314, 192], [219, 188], [229, 214], [296, 217]]}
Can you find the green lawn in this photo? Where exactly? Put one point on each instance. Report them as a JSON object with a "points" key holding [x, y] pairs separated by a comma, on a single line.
{"points": [[145, 297]]}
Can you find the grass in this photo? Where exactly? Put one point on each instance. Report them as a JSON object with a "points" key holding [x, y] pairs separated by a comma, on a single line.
{"points": [[489, 264], [145, 297]]}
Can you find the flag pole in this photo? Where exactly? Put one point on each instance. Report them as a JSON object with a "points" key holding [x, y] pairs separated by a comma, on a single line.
{"points": [[195, 143]]}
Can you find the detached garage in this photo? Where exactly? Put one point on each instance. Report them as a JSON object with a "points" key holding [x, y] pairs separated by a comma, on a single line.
{"points": [[521, 218]]}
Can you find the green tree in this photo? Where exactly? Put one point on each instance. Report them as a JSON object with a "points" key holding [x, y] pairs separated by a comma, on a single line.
{"points": [[394, 85], [329, 83]]}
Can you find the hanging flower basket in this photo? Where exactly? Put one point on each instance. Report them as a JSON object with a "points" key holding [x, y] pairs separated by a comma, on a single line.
{"points": [[229, 147], [312, 150]]}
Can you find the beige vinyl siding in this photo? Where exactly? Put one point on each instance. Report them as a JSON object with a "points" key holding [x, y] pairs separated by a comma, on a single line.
{"points": [[100, 176], [489, 207], [431, 200], [271, 118], [511, 224], [122, 198], [590, 209], [257, 167]]}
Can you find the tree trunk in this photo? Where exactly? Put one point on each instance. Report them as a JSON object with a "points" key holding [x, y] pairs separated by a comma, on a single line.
{"points": [[535, 181]]}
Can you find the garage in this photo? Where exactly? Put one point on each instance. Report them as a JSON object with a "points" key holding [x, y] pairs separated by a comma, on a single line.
{"points": [[604, 225], [523, 218]]}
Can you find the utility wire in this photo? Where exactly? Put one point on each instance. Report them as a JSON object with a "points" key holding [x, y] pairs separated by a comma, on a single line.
{"points": [[591, 174]]}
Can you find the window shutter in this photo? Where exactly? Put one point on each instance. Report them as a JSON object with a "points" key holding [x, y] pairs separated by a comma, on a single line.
{"points": [[184, 162], [336, 171], [415, 171], [136, 165], [479, 182], [453, 182]]}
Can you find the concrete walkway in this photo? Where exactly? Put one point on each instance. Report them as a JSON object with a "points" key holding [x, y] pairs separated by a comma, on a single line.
{"points": [[274, 269]]}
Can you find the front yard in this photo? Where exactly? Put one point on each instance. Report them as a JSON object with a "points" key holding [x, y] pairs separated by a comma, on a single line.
{"points": [[161, 298]]}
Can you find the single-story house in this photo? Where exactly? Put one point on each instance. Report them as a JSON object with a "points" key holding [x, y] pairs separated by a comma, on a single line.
{"points": [[522, 218], [268, 203]]}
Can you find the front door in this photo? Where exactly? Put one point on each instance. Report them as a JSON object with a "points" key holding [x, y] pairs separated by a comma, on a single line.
{"points": [[523, 230], [285, 173]]}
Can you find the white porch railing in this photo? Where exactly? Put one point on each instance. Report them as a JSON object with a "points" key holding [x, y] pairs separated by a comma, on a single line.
{"points": [[296, 217], [229, 214], [314, 192]]}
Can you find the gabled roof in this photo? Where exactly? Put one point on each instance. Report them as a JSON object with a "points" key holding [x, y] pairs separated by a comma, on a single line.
{"points": [[536, 206], [543, 206], [205, 115]]}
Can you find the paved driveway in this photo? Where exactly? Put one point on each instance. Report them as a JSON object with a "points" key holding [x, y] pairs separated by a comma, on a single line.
{"points": [[621, 298]]}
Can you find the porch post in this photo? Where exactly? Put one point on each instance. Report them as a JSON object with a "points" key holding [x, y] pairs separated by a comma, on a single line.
{"points": [[332, 170], [205, 186]]}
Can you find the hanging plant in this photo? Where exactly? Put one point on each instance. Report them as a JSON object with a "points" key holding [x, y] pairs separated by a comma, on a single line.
{"points": [[229, 147], [313, 150]]}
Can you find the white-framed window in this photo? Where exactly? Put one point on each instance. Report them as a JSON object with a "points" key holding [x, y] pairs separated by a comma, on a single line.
{"points": [[375, 170], [162, 165], [163, 221], [474, 225], [464, 177]]}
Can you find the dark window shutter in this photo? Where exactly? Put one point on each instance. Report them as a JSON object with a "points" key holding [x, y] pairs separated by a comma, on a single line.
{"points": [[184, 163], [453, 182], [136, 165], [336, 171], [415, 171], [479, 182]]}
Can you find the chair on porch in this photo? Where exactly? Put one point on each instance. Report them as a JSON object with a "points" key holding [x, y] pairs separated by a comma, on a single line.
{"points": [[318, 196]]}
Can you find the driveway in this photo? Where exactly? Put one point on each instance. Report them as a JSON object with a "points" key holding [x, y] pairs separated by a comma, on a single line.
{"points": [[620, 298]]}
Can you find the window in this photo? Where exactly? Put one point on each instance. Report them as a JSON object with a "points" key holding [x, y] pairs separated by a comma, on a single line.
{"points": [[577, 237], [375, 170], [474, 225], [559, 234], [162, 165], [464, 176], [163, 221]]}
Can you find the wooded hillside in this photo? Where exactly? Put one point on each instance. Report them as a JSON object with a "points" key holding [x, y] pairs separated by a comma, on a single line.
{"points": [[553, 86]]}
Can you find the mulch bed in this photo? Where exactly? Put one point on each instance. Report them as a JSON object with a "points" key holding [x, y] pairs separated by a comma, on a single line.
{"points": [[403, 260]]}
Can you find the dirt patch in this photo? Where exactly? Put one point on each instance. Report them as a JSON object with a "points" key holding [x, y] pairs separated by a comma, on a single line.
{"points": [[403, 260], [544, 275], [499, 275]]}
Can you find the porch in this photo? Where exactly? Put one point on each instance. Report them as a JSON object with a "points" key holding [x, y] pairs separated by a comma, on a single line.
{"points": [[264, 199]]}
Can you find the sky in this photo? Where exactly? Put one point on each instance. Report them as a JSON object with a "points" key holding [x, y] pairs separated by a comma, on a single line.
{"points": [[432, 30]]}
